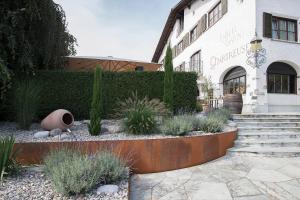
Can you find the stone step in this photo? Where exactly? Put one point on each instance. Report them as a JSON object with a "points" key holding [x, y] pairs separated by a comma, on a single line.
{"points": [[266, 151], [268, 129], [291, 119], [276, 116], [268, 124], [268, 135], [290, 142]]}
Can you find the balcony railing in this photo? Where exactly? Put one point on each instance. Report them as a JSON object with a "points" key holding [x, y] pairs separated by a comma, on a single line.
{"points": [[191, 67]]}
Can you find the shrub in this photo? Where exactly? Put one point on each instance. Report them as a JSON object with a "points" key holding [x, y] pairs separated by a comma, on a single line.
{"points": [[178, 125], [113, 169], [74, 173], [210, 125], [96, 107], [140, 120], [155, 105], [26, 102], [168, 80], [73, 91], [222, 115], [199, 108], [8, 164]]}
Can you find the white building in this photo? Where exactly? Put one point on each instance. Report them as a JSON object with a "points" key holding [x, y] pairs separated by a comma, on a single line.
{"points": [[212, 37]]}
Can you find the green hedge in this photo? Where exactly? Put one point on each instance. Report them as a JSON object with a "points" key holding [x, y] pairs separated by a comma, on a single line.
{"points": [[73, 91]]}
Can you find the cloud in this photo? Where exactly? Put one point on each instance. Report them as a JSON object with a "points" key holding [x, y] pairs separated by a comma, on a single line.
{"points": [[106, 28]]}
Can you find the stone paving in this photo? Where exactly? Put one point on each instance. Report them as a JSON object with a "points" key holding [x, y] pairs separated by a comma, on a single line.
{"points": [[228, 178]]}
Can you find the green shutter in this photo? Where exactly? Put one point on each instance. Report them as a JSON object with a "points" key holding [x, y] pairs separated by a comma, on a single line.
{"points": [[267, 23], [224, 6]]}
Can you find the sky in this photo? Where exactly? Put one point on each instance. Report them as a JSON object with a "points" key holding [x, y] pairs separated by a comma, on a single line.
{"points": [[127, 29]]}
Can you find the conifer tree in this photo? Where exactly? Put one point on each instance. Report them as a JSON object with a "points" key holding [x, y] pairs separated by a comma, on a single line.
{"points": [[96, 107], [168, 80]]}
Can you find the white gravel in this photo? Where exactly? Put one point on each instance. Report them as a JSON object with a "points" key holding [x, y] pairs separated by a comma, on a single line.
{"points": [[79, 132], [32, 184]]}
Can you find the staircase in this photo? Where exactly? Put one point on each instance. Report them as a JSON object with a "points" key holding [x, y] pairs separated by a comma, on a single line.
{"points": [[267, 134]]}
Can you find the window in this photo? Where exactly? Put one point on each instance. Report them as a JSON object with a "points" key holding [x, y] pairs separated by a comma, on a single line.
{"points": [[181, 23], [195, 63], [179, 48], [215, 14], [193, 35], [139, 69], [284, 29], [281, 79], [235, 81]]}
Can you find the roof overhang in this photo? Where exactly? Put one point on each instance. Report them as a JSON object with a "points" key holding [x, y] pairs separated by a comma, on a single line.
{"points": [[169, 27]]}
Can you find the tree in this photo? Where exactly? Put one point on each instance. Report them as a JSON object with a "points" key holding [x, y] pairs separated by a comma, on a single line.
{"points": [[33, 35], [168, 80], [96, 107]]}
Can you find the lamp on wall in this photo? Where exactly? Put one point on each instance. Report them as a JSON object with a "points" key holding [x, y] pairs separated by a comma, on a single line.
{"points": [[256, 43], [257, 54]]}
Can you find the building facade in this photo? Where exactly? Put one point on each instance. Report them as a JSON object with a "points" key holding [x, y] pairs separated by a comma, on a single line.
{"points": [[80, 63], [212, 38]]}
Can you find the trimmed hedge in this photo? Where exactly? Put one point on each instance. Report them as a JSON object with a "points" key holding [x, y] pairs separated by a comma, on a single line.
{"points": [[73, 91]]}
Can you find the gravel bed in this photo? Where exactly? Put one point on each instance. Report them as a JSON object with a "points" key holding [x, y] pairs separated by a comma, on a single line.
{"points": [[79, 132], [32, 184]]}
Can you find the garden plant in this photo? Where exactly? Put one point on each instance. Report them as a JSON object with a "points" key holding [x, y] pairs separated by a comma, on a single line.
{"points": [[96, 107], [73, 173], [183, 124], [26, 103], [168, 80], [8, 163], [139, 115]]}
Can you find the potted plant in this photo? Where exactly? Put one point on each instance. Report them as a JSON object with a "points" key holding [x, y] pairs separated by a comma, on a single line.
{"points": [[207, 88]]}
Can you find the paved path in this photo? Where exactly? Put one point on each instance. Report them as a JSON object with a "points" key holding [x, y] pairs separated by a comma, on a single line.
{"points": [[229, 178]]}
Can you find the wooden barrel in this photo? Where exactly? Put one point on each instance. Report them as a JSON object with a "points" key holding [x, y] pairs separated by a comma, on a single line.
{"points": [[234, 103]]}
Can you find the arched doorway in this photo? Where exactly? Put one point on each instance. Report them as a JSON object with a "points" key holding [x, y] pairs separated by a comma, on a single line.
{"points": [[281, 78], [235, 81]]}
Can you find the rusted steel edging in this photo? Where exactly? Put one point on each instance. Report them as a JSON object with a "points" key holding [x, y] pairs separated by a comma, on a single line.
{"points": [[144, 156]]}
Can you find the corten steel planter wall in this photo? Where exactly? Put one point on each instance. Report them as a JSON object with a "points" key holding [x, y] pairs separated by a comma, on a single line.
{"points": [[146, 156]]}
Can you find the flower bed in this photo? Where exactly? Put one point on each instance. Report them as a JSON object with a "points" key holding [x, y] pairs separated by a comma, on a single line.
{"points": [[147, 155]]}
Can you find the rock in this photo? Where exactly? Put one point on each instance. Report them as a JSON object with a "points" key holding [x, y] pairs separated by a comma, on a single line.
{"points": [[62, 137], [55, 132], [108, 189], [77, 123], [41, 134], [104, 130], [86, 121]]}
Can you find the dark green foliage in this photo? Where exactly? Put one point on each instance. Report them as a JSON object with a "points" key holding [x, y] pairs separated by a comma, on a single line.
{"points": [[169, 80], [140, 120], [199, 108], [74, 173], [33, 35], [73, 91], [5, 80], [26, 102], [96, 107], [133, 102], [8, 164]]}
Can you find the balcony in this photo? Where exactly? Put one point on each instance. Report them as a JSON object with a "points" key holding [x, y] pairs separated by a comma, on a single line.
{"points": [[196, 66]]}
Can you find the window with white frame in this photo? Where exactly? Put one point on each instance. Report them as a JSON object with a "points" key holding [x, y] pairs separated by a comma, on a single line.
{"points": [[215, 14], [195, 62]]}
